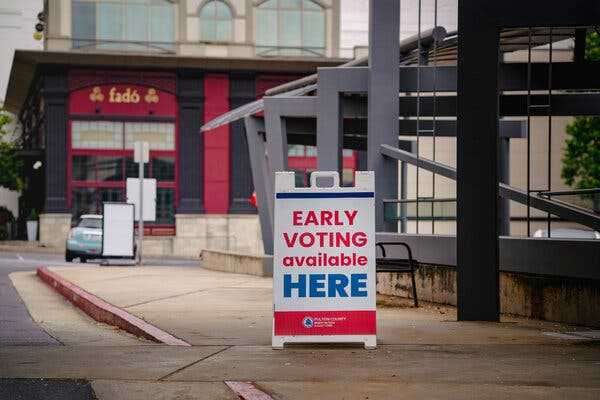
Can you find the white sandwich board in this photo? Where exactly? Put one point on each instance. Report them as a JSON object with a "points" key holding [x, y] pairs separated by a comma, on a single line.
{"points": [[117, 230], [324, 287]]}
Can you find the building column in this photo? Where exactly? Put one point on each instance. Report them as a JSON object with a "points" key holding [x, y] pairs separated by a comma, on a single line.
{"points": [[330, 125], [504, 177], [55, 221], [55, 93], [190, 160], [477, 163], [384, 86], [242, 90]]}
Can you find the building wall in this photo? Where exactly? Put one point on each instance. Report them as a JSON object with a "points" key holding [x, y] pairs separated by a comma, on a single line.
{"points": [[187, 29], [17, 22]]}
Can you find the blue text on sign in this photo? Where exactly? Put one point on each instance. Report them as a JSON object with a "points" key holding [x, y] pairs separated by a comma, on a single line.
{"points": [[325, 285]]}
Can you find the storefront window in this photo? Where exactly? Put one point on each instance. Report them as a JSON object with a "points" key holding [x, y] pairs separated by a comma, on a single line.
{"points": [[109, 195], [290, 28], [132, 169], [89, 201], [83, 202], [109, 169], [84, 168], [165, 206], [97, 135], [102, 161], [163, 168], [160, 136], [143, 25]]}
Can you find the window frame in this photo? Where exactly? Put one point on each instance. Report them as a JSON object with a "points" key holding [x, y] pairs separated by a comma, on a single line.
{"points": [[304, 51], [124, 153], [216, 19], [124, 43]]}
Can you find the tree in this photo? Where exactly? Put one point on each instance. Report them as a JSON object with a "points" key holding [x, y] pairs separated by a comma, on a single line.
{"points": [[581, 161], [10, 165]]}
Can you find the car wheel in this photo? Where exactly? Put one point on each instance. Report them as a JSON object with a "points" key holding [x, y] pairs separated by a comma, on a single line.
{"points": [[68, 256], [82, 260]]}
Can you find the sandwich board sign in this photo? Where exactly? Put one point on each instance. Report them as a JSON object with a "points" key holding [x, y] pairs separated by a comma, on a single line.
{"points": [[117, 230], [324, 261]]}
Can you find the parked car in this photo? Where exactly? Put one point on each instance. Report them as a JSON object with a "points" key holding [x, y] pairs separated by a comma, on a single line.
{"points": [[85, 239], [567, 233]]}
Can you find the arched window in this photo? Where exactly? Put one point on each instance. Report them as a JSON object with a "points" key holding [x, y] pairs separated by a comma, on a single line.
{"points": [[290, 28], [216, 22]]}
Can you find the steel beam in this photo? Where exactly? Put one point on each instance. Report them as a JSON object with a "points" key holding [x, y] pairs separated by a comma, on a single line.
{"points": [[557, 208], [333, 82], [574, 258], [563, 210], [411, 158], [276, 136], [261, 178], [384, 85]]}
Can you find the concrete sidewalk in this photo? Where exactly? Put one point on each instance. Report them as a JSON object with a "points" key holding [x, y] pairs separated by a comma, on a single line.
{"points": [[227, 317], [207, 307]]}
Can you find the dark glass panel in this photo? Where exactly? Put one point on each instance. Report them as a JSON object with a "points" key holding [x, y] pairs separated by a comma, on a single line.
{"points": [[83, 202], [83, 168], [165, 206], [109, 168], [163, 168]]}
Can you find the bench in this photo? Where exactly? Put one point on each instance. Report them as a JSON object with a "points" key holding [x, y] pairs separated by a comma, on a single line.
{"points": [[398, 265]]}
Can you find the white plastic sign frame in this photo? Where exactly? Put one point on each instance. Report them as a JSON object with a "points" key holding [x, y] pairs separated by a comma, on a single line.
{"points": [[133, 195], [324, 288], [117, 230]]}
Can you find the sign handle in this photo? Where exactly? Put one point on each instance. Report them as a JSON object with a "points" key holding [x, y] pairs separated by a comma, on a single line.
{"points": [[324, 174]]}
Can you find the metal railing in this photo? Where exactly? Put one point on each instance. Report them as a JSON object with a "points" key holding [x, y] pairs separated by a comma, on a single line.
{"points": [[422, 209]]}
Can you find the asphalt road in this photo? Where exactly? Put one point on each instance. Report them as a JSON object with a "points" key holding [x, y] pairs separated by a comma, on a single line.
{"points": [[16, 325]]}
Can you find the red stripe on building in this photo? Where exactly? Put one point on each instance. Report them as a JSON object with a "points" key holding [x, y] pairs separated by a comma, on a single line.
{"points": [[325, 323], [216, 146]]}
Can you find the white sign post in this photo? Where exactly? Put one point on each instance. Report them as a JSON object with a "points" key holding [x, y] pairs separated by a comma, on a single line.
{"points": [[141, 155], [324, 287]]}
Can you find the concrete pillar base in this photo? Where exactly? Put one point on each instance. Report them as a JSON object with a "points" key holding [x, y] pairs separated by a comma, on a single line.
{"points": [[197, 232], [54, 228]]}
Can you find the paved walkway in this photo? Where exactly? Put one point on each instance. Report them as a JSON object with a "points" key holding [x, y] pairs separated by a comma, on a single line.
{"points": [[16, 325], [422, 353]]}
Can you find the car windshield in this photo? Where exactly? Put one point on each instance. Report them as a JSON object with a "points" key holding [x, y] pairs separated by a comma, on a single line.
{"points": [[95, 223]]}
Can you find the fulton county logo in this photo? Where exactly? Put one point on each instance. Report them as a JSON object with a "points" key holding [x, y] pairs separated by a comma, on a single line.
{"points": [[308, 322]]}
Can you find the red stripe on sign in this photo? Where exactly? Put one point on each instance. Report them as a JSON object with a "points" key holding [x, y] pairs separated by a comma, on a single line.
{"points": [[325, 323]]}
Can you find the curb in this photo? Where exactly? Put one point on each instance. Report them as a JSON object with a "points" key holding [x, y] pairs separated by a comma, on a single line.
{"points": [[34, 249], [105, 312]]}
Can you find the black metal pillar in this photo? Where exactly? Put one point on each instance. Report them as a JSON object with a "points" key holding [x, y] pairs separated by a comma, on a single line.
{"points": [[242, 90], [55, 92], [190, 96], [504, 177], [384, 86], [477, 164]]}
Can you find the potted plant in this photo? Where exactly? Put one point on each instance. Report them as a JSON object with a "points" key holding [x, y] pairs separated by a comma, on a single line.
{"points": [[32, 226]]}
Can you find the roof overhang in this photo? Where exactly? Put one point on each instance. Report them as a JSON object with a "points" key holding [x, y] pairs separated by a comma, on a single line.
{"points": [[26, 62]]}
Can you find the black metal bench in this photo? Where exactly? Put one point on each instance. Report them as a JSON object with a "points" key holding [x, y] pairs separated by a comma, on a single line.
{"points": [[398, 265]]}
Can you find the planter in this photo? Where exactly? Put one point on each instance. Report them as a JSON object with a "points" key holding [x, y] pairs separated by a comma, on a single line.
{"points": [[32, 228]]}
